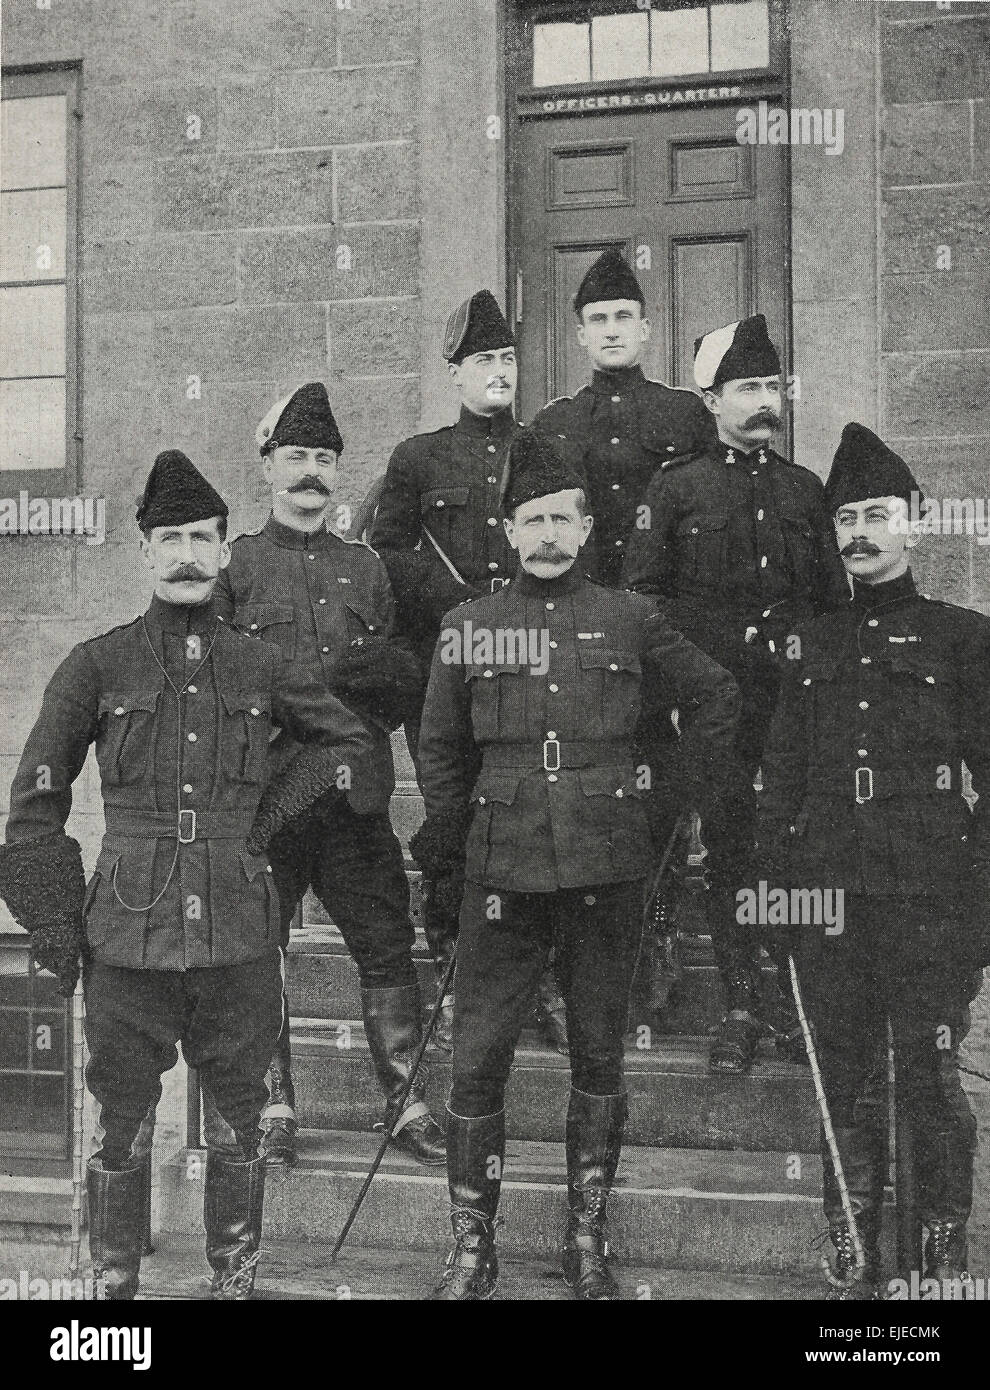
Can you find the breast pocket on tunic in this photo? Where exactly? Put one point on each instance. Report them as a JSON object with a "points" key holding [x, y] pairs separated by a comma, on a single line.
{"points": [[363, 620], [272, 622], [498, 697], [494, 827], [799, 540], [924, 697], [444, 513], [245, 734], [124, 738], [611, 686]]}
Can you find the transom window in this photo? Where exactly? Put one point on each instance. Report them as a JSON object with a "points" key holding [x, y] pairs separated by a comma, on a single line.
{"points": [[650, 39]]}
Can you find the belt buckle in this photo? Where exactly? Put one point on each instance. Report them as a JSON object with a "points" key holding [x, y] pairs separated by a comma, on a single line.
{"points": [[187, 839], [551, 745], [862, 795], [498, 584]]}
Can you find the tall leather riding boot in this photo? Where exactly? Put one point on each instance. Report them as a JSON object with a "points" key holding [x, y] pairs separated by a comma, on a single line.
{"points": [[551, 1012], [738, 959], [475, 1158], [233, 1201], [861, 1151], [440, 930], [593, 1143], [141, 1152], [944, 1168], [116, 1228], [278, 1119], [394, 1032]]}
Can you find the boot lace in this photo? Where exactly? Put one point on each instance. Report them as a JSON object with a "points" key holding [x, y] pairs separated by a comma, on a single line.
{"points": [[241, 1280], [940, 1236]]}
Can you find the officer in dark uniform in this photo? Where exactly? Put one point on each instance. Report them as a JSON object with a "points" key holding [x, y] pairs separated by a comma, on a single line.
{"points": [[526, 751], [439, 531], [881, 705], [178, 927], [326, 605], [623, 426], [739, 541]]}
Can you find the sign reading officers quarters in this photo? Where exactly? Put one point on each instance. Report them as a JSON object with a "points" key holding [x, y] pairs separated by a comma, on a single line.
{"points": [[624, 101]]}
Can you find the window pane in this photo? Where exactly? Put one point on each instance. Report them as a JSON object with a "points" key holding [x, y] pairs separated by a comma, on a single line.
{"points": [[561, 53], [32, 331], [679, 41], [620, 46], [32, 142], [740, 36], [32, 424], [32, 235], [14, 1050]]}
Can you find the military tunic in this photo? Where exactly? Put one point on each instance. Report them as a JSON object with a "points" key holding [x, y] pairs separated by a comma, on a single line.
{"points": [[447, 483], [537, 752], [311, 597], [625, 429], [863, 795]]}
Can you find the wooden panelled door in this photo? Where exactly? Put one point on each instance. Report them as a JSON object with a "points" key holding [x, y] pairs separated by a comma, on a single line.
{"points": [[702, 218]]}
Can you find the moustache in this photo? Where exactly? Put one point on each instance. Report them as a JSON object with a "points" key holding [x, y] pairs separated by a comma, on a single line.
{"points": [[763, 417], [551, 553], [860, 548], [310, 485], [186, 572]]}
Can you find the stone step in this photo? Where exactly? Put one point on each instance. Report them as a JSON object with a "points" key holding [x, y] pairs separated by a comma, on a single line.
{"points": [[292, 1270], [323, 982], [672, 1208], [674, 1101]]}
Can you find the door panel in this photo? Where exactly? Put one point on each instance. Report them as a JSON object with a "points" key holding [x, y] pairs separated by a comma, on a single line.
{"points": [[702, 219]]}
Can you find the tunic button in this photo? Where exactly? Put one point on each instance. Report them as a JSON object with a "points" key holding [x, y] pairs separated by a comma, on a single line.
{"points": [[491, 448], [806, 681], [119, 709], [864, 661], [481, 801], [759, 515], [493, 521], [550, 607], [191, 737], [616, 399], [591, 899], [618, 543], [554, 689], [311, 557], [552, 777], [553, 646], [766, 612], [874, 622], [192, 690], [612, 666], [489, 674], [324, 650], [492, 478], [694, 530], [763, 562], [371, 627], [615, 487], [930, 680], [255, 711], [187, 787], [493, 564], [615, 439], [618, 791], [254, 627], [861, 752], [551, 734], [323, 600], [864, 704], [670, 448]]}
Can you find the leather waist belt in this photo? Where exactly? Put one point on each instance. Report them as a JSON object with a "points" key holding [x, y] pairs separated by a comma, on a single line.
{"points": [[190, 825], [553, 754], [865, 784]]}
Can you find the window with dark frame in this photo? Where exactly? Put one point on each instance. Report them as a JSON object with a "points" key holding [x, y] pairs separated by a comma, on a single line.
{"points": [[39, 430]]}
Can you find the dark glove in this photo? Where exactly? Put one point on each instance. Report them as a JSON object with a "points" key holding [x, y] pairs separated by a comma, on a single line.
{"points": [[382, 676], [43, 884], [438, 845]]}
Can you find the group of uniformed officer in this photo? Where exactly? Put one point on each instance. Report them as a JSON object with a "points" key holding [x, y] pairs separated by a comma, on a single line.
{"points": [[675, 590]]}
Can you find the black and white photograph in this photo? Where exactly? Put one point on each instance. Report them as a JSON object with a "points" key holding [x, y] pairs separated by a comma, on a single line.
{"points": [[495, 667]]}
